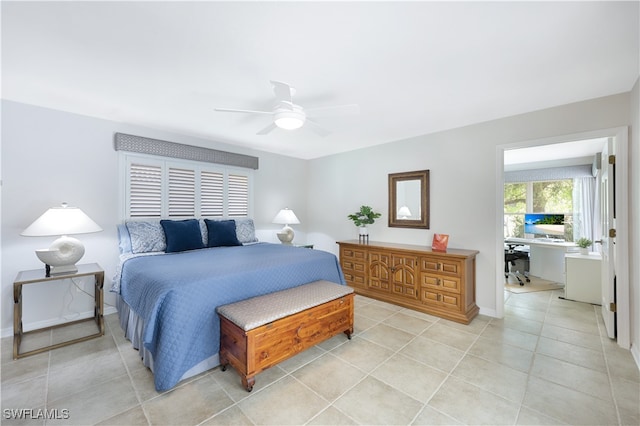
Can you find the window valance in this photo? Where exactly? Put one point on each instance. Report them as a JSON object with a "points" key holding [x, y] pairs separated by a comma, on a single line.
{"points": [[139, 144]]}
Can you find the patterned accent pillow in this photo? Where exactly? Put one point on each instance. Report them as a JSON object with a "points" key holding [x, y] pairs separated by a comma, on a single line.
{"points": [[246, 231], [146, 236]]}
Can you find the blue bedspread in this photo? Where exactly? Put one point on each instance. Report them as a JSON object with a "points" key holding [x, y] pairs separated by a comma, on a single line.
{"points": [[176, 295]]}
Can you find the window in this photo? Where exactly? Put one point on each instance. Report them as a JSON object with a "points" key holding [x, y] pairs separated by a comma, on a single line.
{"points": [[515, 206], [156, 187], [555, 196]]}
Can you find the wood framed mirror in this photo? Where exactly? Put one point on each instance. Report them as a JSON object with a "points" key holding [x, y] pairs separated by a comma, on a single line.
{"points": [[409, 199]]}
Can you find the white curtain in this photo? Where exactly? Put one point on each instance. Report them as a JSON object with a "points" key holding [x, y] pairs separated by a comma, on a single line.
{"points": [[586, 209]]}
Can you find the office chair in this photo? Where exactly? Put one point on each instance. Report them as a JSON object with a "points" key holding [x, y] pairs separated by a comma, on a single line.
{"points": [[513, 257]]}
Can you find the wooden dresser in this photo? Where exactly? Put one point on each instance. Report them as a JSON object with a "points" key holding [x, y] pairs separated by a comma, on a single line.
{"points": [[437, 283]]}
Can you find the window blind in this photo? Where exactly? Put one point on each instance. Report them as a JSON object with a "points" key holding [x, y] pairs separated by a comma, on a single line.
{"points": [[182, 192], [211, 194], [165, 189], [238, 195], [145, 190]]}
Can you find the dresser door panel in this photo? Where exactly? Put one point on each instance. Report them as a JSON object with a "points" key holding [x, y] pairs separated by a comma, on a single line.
{"points": [[379, 271], [403, 275]]}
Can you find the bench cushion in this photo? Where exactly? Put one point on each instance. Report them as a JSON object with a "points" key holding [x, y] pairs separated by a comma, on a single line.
{"points": [[251, 313]]}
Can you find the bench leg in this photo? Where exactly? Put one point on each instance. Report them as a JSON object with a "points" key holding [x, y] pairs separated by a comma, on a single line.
{"points": [[248, 382], [224, 362]]}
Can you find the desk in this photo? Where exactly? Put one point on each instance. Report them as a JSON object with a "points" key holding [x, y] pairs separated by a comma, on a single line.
{"points": [[546, 257], [38, 276]]}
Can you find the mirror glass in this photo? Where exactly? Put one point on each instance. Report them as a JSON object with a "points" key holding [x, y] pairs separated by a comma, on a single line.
{"points": [[408, 199]]}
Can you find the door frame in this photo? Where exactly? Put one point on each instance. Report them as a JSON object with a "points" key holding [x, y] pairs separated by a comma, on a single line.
{"points": [[622, 219]]}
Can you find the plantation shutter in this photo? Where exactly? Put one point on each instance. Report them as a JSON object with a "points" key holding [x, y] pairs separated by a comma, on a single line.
{"points": [[161, 189], [211, 194], [238, 195], [145, 190], [182, 192]]}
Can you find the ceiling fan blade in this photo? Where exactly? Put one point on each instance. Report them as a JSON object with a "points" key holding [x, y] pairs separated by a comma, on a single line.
{"points": [[283, 91], [316, 128], [267, 129], [333, 110], [242, 110]]}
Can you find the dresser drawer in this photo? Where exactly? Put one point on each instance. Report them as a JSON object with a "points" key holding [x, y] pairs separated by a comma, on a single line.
{"points": [[351, 266], [355, 280], [440, 282], [441, 265], [353, 254], [441, 299]]}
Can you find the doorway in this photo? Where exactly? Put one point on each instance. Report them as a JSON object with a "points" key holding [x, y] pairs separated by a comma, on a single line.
{"points": [[621, 261]]}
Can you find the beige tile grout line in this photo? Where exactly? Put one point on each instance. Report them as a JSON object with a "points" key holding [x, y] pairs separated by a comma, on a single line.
{"points": [[603, 333]]}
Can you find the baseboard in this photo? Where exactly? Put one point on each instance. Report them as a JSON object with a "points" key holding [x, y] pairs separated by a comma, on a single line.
{"points": [[488, 312], [8, 332]]}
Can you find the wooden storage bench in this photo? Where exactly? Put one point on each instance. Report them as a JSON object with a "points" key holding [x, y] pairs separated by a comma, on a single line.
{"points": [[260, 332]]}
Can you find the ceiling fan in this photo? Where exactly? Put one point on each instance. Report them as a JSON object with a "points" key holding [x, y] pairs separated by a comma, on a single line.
{"points": [[289, 116]]}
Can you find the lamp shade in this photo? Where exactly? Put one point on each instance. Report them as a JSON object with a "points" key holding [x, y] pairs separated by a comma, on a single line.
{"points": [[286, 217], [404, 212], [63, 220]]}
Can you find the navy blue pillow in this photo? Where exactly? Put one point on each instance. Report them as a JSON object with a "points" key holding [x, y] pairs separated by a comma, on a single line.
{"points": [[182, 235], [222, 233]]}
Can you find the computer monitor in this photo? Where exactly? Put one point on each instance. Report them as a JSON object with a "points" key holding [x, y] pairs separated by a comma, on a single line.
{"points": [[544, 224]]}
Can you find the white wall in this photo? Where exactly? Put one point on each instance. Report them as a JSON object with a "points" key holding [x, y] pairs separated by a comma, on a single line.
{"points": [[634, 219], [51, 156], [463, 174]]}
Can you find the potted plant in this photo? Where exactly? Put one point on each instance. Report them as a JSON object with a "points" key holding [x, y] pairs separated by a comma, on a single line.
{"points": [[584, 244], [365, 216]]}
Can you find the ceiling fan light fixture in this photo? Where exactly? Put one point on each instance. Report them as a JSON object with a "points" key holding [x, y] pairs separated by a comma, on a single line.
{"points": [[289, 120]]}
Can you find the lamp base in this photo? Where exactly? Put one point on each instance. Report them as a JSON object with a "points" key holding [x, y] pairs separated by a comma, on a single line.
{"points": [[60, 270], [286, 235], [62, 255]]}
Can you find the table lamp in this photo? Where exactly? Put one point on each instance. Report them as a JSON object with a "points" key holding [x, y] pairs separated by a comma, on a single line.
{"points": [[286, 217], [63, 253], [404, 212]]}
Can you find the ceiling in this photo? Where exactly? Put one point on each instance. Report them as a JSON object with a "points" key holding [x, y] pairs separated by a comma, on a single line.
{"points": [[555, 155], [414, 68]]}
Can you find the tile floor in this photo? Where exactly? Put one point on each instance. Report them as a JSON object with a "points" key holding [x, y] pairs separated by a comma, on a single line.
{"points": [[546, 362]]}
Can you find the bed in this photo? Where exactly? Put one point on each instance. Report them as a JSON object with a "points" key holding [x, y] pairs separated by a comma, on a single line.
{"points": [[167, 299]]}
